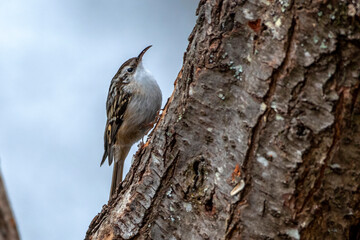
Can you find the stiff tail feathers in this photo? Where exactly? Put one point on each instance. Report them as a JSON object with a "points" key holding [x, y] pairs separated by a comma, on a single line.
{"points": [[108, 153], [120, 154]]}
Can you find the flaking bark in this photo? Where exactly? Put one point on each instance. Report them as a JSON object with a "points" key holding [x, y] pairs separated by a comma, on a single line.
{"points": [[8, 230], [268, 95]]}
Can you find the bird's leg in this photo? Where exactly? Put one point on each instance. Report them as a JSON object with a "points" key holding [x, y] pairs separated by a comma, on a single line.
{"points": [[144, 145], [149, 126], [156, 120], [142, 141]]}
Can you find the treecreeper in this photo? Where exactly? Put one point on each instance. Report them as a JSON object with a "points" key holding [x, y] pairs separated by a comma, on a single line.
{"points": [[132, 106]]}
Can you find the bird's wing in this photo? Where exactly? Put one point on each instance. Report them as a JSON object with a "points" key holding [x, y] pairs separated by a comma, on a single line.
{"points": [[116, 105]]}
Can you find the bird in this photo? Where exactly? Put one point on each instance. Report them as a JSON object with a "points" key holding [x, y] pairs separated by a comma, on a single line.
{"points": [[132, 105]]}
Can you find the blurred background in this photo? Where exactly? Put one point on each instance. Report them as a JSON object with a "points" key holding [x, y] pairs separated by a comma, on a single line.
{"points": [[57, 59]]}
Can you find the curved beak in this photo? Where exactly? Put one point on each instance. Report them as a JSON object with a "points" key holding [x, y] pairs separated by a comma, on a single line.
{"points": [[143, 52]]}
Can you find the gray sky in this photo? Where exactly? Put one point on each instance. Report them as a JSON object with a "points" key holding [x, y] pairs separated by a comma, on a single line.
{"points": [[56, 62]]}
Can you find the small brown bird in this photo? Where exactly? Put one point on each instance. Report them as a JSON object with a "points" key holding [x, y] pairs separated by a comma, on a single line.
{"points": [[132, 105]]}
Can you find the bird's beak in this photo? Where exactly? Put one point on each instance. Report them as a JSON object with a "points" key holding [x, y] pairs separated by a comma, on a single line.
{"points": [[143, 52]]}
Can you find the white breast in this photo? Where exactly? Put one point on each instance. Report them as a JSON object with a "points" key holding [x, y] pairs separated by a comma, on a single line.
{"points": [[144, 105]]}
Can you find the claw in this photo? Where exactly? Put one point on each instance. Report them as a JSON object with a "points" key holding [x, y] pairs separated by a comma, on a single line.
{"points": [[145, 145]]}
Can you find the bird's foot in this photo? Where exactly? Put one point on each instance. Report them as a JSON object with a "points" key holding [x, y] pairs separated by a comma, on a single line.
{"points": [[156, 120], [143, 145]]}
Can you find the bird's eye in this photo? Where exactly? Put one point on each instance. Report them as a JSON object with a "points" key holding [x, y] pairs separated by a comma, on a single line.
{"points": [[130, 69]]}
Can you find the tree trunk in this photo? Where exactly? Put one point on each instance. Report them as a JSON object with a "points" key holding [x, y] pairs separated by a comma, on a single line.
{"points": [[261, 136], [8, 229]]}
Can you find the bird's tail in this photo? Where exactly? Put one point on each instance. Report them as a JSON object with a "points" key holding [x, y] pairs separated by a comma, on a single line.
{"points": [[119, 157]]}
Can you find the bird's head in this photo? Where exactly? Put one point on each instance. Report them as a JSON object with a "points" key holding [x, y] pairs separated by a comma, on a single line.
{"points": [[128, 69]]}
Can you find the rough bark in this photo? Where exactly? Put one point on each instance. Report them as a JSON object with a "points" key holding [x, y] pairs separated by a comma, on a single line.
{"points": [[261, 136], [8, 230]]}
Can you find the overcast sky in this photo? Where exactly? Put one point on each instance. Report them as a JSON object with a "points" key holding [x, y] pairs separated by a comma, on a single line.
{"points": [[57, 59]]}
